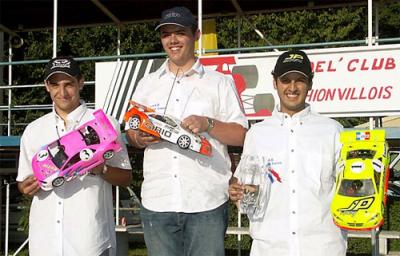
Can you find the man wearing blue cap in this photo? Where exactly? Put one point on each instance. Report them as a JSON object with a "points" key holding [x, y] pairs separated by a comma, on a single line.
{"points": [[185, 194], [301, 148]]}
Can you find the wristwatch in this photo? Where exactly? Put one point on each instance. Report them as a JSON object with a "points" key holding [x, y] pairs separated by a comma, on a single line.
{"points": [[211, 124]]}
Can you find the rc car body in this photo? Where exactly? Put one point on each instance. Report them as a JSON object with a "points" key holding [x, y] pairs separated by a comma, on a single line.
{"points": [[362, 180], [165, 127], [76, 153]]}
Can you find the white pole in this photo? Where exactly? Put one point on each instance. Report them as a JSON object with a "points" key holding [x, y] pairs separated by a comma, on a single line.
{"points": [[200, 24], [371, 119], [55, 13], [117, 187], [21, 247], [9, 91], [119, 41], [117, 205], [376, 23], [369, 22], [7, 217]]}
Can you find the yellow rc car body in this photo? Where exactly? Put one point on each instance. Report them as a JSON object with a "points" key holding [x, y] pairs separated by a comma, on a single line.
{"points": [[361, 181]]}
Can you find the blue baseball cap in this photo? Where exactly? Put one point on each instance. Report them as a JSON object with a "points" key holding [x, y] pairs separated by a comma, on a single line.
{"points": [[180, 16]]}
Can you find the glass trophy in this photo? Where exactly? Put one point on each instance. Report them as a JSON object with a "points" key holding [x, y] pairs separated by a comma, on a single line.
{"points": [[252, 173]]}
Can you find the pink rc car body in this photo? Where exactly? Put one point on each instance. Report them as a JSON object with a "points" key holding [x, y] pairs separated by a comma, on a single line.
{"points": [[76, 153]]}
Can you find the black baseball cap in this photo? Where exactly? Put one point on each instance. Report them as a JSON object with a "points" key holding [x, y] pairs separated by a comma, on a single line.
{"points": [[64, 65], [293, 61], [179, 15]]}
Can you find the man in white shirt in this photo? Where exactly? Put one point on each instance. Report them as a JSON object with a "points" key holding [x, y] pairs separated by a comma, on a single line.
{"points": [[302, 148], [184, 193], [77, 217]]}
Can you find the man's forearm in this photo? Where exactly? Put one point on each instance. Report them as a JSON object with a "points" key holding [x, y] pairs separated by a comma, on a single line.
{"points": [[228, 133], [117, 176]]}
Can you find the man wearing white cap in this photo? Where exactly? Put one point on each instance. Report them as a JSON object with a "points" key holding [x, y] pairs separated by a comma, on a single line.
{"points": [[302, 148]]}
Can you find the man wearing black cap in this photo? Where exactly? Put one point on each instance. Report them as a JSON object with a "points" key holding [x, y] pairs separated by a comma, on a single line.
{"points": [[300, 147], [76, 218], [185, 194]]}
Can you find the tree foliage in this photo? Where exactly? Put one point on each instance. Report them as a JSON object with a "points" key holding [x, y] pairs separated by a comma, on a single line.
{"points": [[296, 27]]}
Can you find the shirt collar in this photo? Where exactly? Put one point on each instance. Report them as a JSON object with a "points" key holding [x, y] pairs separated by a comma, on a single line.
{"points": [[300, 116], [76, 114], [197, 68]]}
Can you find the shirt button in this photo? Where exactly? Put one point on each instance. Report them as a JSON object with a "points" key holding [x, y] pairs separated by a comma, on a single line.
{"points": [[292, 150], [291, 130], [293, 233], [175, 157], [176, 176], [62, 130], [59, 203], [178, 82], [177, 100], [293, 191], [293, 212], [292, 171], [301, 123], [58, 221]]}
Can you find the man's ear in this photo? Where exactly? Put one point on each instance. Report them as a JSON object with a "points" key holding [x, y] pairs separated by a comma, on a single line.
{"points": [[81, 83], [274, 81], [310, 83], [46, 86], [197, 34]]}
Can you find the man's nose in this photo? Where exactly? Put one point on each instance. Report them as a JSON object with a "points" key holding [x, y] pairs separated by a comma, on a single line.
{"points": [[63, 90], [174, 38], [292, 84]]}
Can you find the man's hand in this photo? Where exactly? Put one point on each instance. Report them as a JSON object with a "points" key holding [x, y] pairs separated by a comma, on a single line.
{"points": [[98, 170], [140, 139], [29, 186], [145, 139], [195, 124], [235, 190]]}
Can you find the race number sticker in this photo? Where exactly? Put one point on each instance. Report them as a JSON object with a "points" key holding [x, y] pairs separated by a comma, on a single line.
{"points": [[86, 154], [42, 155]]}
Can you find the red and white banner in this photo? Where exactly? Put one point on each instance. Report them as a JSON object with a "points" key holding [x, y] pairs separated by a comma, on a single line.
{"points": [[350, 81]]}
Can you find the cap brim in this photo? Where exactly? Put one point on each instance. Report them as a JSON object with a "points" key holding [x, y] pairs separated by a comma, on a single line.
{"points": [[169, 23], [57, 72], [294, 71]]}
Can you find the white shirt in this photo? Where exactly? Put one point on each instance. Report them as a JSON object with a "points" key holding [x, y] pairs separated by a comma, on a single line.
{"points": [[303, 150], [182, 180], [76, 218]]}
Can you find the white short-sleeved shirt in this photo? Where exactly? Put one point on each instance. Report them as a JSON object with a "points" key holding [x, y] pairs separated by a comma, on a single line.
{"points": [[182, 180], [76, 218], [303, 151]]}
